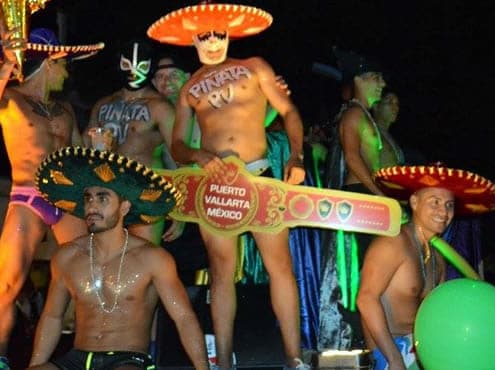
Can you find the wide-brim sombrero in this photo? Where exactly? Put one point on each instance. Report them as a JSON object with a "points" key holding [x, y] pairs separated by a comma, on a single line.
{"points": [[43, 43], [179, 26], [473, 193], [64, 174]]}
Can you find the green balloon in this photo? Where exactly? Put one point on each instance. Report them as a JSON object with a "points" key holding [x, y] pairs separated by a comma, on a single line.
{"points": [[455, 326]]}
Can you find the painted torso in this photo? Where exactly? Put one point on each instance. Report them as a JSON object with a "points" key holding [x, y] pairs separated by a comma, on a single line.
{"points": [[230, 108]]}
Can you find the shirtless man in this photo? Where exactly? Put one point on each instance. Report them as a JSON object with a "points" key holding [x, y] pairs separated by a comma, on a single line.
{"points": [[114, 278], [168, 79], [359, 134], [385, 112], [33, 125], [398, 272], [229, 97], [140, 119]]}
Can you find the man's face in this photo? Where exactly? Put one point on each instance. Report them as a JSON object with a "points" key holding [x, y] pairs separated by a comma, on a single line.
{"points": [[433, 209], [103, 209], [136, 66], [212, 46], [169, 80], [58, 73], [372, 84], [388, 108]]}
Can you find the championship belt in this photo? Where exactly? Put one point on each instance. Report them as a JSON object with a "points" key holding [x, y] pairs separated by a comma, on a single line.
{"points": [[244, 202]]}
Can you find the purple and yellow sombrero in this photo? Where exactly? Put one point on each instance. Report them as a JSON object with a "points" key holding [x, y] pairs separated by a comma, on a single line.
{"points": [[474, 194], [179, 26]]}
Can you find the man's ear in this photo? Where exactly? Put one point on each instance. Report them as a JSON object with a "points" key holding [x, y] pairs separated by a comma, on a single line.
{"points": [[413, 201], [125, 207]]}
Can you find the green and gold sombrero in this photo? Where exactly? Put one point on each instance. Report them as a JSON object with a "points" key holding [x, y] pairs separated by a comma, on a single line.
{"points": [[63, 175], [473, 193]]}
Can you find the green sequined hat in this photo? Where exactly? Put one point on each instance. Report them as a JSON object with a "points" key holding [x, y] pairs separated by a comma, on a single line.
{"points": [[64, 174]]}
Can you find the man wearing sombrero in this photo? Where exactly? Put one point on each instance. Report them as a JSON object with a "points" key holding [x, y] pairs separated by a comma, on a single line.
{"points": [[33, 125], [114, 277], [398, 272], [229, 97], [139, 120]]}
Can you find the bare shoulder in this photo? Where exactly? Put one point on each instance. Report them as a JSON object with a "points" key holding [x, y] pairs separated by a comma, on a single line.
{"points": [[157, 100], [393, 246], [254, 60], [70, 250], [9, 94], [352, 116], [108, 98], [147, 252]]}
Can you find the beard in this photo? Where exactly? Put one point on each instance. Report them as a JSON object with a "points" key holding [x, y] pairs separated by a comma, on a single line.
{"points": [[97, 226]]}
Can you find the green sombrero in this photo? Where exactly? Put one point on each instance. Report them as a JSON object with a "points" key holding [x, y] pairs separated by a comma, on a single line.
{"points": [[63, 175]]}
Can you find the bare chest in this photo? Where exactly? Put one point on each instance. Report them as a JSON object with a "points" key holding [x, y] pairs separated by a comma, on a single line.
{"points": [[41, 123], [224, 86], [124, 118]]}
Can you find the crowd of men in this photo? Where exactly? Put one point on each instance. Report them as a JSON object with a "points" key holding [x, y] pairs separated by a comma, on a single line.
{"points": [[90, 193]]}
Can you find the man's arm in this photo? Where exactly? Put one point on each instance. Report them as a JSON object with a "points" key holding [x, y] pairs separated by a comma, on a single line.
{"points": [[93, 122], [76, 138], [49, 326], [351, 135], [177, 304], [181, 151], [279, 99], [381, 262], [164, 114]]}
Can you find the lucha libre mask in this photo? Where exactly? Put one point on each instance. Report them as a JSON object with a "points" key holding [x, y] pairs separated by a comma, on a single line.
{"points": [[136, 65]]}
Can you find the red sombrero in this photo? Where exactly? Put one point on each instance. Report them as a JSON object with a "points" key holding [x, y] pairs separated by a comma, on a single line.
{"points": [[473, 193], [179, 26]]}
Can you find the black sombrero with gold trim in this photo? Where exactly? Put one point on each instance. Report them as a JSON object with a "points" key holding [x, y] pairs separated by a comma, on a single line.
{"points": [[63, 175], [473, 193], [179, 26]]}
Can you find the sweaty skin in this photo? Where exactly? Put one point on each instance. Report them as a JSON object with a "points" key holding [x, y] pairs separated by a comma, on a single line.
{"points": [[392, 283], [358, 136], [114, 311], [33, 125], [140, 120], [230, 100]]}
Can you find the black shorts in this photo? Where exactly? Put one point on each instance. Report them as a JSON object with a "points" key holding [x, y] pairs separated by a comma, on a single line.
{"points": [[83, 360]]}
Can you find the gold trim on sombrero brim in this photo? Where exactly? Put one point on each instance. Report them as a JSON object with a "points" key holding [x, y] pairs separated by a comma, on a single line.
{"points": [[178, 27], [75, 52], [64, 174], [473, 193]]}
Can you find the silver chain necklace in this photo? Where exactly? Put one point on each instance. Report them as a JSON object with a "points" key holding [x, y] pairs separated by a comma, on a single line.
{"points": [[97, 283]]}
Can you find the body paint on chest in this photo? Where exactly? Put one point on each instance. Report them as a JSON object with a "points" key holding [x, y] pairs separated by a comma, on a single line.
{"points": [[117, 115], [218, 85]]}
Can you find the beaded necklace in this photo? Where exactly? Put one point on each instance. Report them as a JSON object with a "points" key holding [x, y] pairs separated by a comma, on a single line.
{"points": [[97, 282], [371, 119], [423, 260]]}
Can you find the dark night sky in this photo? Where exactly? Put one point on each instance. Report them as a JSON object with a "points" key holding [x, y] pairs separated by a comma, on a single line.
{"points": [[437, 55]]}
